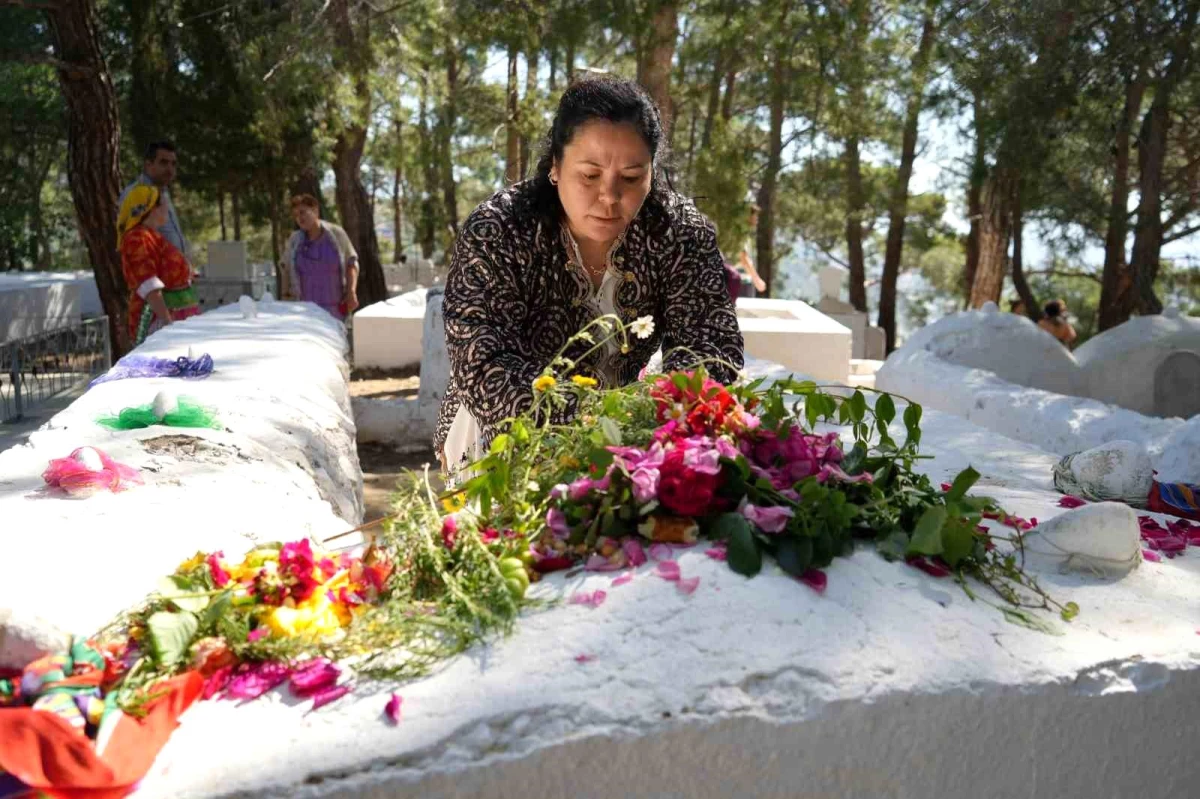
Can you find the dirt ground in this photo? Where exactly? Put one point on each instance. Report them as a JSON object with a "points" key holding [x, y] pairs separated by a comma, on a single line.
{"points": [[381, 464]]}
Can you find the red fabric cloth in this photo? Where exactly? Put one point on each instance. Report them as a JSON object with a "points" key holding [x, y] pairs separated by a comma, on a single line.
{"points": [[45, 753], [145, 254]]}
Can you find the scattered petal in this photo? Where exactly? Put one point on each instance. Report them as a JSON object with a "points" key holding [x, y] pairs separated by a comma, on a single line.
{"points": [[688, 586], [661, 552], [624, 578], [392, 709], [1070, 501], [313, 677], [634, 551], [814, 579], [593, 599], [1153, 557], [668, 570], [331, 694], [718, 552], [599, 563], [934, 568], [584, 658]]}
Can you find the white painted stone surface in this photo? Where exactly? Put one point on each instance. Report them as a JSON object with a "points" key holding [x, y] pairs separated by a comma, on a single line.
{"points": [[89, 295], [387, 335], [227, 260], [891, 684], [1008, 345], [284, 465], [796, 336], [1119, 365]]}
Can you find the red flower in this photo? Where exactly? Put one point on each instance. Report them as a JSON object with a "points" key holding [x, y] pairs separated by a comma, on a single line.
{"points": [[220, 577], [683, 490]]}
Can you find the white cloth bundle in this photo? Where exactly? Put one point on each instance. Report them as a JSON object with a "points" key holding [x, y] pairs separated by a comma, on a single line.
{"points": [[1101, 538]]}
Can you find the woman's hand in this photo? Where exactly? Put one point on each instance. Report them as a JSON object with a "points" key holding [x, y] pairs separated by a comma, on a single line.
{"points": [[350, 298]]}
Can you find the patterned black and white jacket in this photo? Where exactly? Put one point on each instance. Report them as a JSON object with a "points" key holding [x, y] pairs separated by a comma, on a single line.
{"points": [[513, 299]]}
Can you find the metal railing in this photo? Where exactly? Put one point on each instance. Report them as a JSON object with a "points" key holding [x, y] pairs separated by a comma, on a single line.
{"points": [[36, 368]]}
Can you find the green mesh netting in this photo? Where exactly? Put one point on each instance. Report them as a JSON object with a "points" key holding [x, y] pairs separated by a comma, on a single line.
{"points": [[187, 414]]}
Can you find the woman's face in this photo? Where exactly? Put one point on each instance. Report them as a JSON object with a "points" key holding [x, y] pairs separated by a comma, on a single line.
{"points": [[306, 217], [603, 178]]}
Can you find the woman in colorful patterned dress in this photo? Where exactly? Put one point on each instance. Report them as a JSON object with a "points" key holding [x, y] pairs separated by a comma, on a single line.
{"points": [[158, 276], [597, 230]]}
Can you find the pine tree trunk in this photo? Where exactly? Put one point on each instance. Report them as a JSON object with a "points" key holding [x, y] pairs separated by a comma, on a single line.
{"points": [[664, 30], [569, 62], [531, 70], [765, 234], [397, 206], [1032, 309], [1116, 284], [512, 146], [730, 86], [995, 228], [221, 212], [975, 199], [714, 98], [234, 197], [93, 144], [447, 124], [854, 232], [429, 215], [898, 207]]}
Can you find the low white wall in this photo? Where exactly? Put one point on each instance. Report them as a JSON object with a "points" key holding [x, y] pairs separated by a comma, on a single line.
{"points": [[1118, 365], [284, 465], [32, 309], [796, 336], [388, 335]]}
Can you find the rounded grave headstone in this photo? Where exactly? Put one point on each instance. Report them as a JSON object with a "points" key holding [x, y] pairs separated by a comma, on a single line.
{"points": [[1177, 385]]}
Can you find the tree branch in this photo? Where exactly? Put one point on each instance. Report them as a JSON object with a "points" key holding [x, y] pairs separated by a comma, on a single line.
{"points": [[1181, 234], [42, 58], [1065, 273]]}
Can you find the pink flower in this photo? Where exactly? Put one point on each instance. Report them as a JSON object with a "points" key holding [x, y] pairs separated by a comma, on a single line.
{"points": [[592, 599], [645, 485], [392, 708], [700, 455], [769, 518], [668, 570], [634, 552], [257, 634], [726, 449], [449, 532], [1069, 501], [688, 586], [556, 520], [489, 535], [220, 577], [331, 694], [814, 579], [830, 470], [315, 676]]}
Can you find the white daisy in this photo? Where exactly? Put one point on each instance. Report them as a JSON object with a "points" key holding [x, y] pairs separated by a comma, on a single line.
{"points": [[643, 326]]}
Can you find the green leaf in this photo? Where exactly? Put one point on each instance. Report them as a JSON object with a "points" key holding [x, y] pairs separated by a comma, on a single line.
{"points": [[927, 537], [612, 433], [217, 608], [961, 485], [722, 527], [179, 590], [958, 541], [170, 636], [858, 406], [795, 555], [743, 554], [812, 411], [894, 546], [500, 443], [822, 550], [885, 409], [912, 423], [852, 463], [1023, 618]]}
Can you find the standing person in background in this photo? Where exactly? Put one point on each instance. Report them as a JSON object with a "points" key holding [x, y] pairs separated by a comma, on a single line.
{"points": [[1055, 323], [751, 282], [321, 263], [158, 170], [158, 276]]}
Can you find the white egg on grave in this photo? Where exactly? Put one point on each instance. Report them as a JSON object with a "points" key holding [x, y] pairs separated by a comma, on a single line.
{"points": [[267, 298], [165, 402], [89, 458], [248, 306], [191, 354]]}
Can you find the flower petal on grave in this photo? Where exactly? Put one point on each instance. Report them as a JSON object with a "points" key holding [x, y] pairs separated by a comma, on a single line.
{"points": [[688, 586], [814, 579], [668, 570], [392, 709]]}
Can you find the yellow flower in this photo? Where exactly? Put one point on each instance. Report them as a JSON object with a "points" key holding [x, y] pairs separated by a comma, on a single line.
{"points": [[191, 563], [315, 616], [544, 383], [584, 382], [455, 502]]}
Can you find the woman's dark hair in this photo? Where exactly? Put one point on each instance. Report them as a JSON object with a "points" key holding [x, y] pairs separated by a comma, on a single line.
{"points": [[1053, 309], [610, 99]]}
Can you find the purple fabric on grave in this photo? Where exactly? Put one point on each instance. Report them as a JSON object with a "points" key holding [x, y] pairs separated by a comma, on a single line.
{"points": [[145, 366]]}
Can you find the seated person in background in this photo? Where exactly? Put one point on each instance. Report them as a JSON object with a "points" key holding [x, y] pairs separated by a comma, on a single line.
{"points": [[1055, 322], [321, 263], [158, 276]]}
